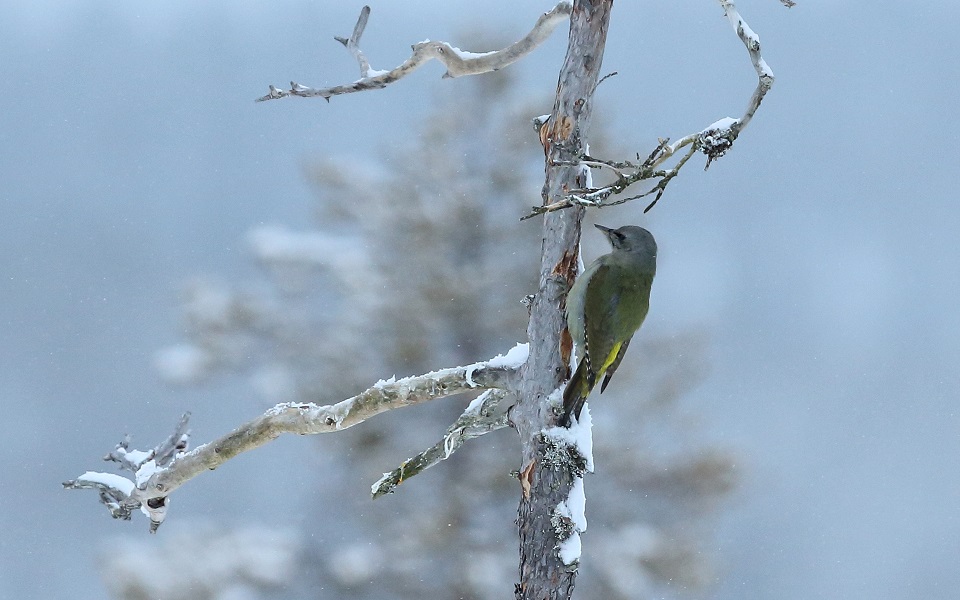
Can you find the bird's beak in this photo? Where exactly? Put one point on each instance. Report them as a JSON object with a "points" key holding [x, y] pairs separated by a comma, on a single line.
{"points": [[606, 230]]}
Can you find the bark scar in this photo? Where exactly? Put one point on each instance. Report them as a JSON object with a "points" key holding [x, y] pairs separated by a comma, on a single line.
{"points": [[526, 479], [566, 269], [563, 128]]}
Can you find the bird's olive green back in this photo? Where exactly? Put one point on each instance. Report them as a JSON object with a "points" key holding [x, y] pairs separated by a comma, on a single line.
{"points": [[615, 304]]}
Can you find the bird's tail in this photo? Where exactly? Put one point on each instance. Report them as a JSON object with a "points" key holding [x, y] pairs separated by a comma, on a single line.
{"points": [[576, 392]]}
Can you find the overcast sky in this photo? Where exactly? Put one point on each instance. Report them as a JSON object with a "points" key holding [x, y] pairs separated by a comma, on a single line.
{"points": [[820, 254]]}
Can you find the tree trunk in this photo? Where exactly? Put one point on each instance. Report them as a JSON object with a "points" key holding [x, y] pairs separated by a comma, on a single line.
{"points": [[545, 481]]}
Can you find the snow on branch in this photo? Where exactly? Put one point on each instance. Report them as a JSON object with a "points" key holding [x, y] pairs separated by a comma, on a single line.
{"points": [[713, 141], [159, 472], [482, 416], [752, 42], [457, 62]]}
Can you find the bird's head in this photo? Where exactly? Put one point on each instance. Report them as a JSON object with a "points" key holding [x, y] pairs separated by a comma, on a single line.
{"points": [[631, 238]]}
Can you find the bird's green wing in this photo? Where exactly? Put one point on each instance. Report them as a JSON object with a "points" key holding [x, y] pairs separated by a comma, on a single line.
{"points": [[600, 320], [616, 305]]}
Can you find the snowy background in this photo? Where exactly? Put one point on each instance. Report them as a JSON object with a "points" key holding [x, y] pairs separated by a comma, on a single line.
{"points": [[820, 256]]}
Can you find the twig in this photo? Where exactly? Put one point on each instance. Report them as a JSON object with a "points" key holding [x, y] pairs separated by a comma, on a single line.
{"points": [[604, 78], [153, 482], [662, 184], [458, 62], [162, 454], [119, 493], [353, 44], [482, 416]]}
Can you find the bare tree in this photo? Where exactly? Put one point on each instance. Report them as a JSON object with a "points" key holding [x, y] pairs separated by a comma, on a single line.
{"points": [[520, 388], [456, 260]]}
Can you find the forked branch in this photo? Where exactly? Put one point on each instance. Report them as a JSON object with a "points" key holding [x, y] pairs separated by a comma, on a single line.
{"points": [[159, 472]]}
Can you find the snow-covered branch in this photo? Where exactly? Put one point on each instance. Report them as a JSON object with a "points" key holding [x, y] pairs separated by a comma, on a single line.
{"points": [[483, 415], [457, 62], [765, 76], [713, 141], [157, 473], [716, 139]]}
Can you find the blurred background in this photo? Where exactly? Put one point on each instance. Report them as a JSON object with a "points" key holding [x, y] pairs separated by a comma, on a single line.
{"points": [[788, 427]]}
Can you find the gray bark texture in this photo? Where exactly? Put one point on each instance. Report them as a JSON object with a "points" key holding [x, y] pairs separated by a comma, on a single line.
{"points": [[546, 479]]}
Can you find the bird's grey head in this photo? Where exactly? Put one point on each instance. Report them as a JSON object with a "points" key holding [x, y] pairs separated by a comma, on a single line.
{"points": [[631, 238]]}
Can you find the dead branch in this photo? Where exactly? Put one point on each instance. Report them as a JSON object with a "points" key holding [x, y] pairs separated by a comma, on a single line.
{"points": [[159, 472], [483, 415], [457, 62], [714, 141]]}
